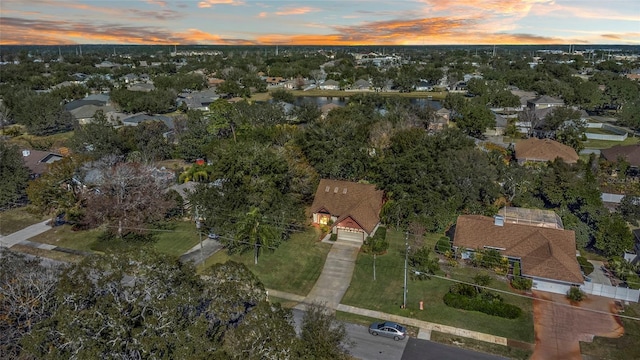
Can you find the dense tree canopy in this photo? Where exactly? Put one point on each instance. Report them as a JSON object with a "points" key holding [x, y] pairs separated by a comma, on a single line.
{"points": [[14, 174]]}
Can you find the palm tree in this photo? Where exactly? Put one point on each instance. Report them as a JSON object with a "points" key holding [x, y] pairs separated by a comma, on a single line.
{"points": [[254, 231]]}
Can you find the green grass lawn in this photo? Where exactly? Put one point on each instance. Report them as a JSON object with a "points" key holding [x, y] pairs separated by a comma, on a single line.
{"points": [[177, 239], [386, 294], [605, 144], [17, 219], [625, 347], [64, 236], [294, 267]]}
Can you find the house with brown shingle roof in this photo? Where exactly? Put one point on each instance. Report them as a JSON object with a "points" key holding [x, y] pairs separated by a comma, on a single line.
{"points": [[543, 150], [351, 209], [631, 153], [38, 161], [547, 254]]}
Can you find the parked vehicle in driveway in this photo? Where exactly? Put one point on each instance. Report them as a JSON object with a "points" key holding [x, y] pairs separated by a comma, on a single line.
{"points": [[388, 329]]}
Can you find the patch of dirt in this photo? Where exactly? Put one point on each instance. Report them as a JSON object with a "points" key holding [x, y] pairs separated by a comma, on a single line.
{"points": [[560, 326]]}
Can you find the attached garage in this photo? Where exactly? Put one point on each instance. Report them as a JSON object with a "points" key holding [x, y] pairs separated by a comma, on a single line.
{"points": [[350, 235], [550, 286]]}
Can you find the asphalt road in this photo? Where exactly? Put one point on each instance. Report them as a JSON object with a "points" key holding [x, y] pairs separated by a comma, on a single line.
{"points": [[417, 349], [367, 347], [363, 345]]}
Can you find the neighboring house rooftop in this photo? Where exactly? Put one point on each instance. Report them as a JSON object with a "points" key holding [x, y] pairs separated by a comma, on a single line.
{"points": [[38, 161], [361, 202], [544, 252], [546, 100], [534, 149], [631, 153], [135, 120]]}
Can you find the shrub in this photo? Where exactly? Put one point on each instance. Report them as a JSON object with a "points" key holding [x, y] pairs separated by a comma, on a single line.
{"points": [[585, 265], [493, 307], [377, 244], [521, 283], [443, 245], [575, 294]]}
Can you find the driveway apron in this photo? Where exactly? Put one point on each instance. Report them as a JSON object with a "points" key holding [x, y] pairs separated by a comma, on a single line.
{"points": [[560, 326]]}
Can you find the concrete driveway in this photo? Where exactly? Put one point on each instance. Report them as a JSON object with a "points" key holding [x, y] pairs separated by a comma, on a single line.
{"points": [[559, 326], [335, 277], [598, 276]]}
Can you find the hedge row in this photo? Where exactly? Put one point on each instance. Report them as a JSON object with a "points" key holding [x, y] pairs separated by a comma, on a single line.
{"points": [[477, 304]]}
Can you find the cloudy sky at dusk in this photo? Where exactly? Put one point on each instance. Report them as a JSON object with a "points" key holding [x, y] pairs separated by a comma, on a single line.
{"points": [[320, 22]]}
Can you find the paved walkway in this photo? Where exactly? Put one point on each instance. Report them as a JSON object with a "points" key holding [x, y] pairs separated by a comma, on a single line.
{"points": [[24, 234], [335, 277]]}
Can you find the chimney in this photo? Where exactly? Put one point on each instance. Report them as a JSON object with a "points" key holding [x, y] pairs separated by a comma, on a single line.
{"points": [[26, 153], [498, 220]]}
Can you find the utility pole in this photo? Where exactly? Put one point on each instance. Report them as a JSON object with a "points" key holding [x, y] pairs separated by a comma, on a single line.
{"points": [[406, 261], [374, 267]]}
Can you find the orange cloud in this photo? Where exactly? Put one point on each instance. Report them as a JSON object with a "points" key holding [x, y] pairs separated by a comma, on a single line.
{"points": [[296, 11], [160, 3], [210, 3]]}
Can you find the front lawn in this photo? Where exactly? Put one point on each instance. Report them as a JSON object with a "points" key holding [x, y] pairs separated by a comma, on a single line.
{"points": [[174, 239], [179, 237], [386, 294], [64, 236], [16, 219], [294, 267]]}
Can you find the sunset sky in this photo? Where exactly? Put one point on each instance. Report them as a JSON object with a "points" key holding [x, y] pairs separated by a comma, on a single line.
{"points": [[320, 22]]}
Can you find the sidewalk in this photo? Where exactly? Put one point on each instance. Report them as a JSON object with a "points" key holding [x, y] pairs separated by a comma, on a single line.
{"points": [[424, 326]]}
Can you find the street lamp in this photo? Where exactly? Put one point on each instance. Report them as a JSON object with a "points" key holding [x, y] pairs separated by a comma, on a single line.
{"points": [[406, 260]]}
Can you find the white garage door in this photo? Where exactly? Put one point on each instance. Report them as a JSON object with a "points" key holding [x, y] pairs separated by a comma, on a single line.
{"points": [[550, 287], [355, 236]]}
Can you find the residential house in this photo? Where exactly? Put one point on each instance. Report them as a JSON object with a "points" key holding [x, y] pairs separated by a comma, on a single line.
{"points": [[542, 102], [38, 161], [534, 238], [143, 87], [361, 84], [631, 153], [135, 120], [84, 110], [543, 150], [274, 80], [634, 75], [352, 210], [330, 85], [423, 85], [198, 100]]}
